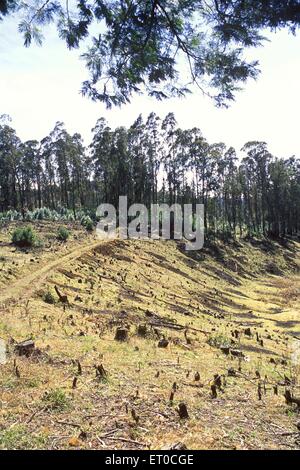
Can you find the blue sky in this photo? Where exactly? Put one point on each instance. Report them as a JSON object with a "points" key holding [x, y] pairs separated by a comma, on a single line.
{"points": [[40, 85]]}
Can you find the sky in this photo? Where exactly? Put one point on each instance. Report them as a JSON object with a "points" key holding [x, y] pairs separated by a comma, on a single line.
{"points": [[41, 85]]}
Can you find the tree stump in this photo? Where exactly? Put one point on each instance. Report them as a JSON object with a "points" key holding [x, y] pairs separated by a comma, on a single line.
{"points": [[121, 334], [100, 372], [25, 348], [142, 331], [291, 400], [163, 343], [218, 381], [62, 298], [214, 392], [182, 411], [237, 353], [197, 377], [176, 446], [231, 372], [225, 350]]}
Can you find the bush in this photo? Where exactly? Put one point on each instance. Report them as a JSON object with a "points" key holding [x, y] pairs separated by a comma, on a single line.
{"points": [[87, 222], [63, 234], [219, 340], [49, 298], [56, 400], [89, 225], [18, 438], [24, 237]]}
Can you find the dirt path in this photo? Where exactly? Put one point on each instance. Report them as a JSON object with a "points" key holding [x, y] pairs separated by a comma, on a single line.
{"points": [[24, 287]]}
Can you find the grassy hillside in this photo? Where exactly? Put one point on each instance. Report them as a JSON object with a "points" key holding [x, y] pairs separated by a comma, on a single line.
{"points": [[229, 316]]}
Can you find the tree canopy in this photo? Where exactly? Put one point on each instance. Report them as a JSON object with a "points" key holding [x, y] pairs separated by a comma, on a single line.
{"points": [[142, 46]]}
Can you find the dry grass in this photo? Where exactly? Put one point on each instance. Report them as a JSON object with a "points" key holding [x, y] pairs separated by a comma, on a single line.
{"points": [[198, 304], [288, 290]]}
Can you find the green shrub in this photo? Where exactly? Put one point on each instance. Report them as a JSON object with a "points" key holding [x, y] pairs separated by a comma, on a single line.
{"points": [[42, 214], [219, 340], [49, 298], [87, 222], [24, 237], [89, 225], [56, 400], [18, 437], [63, 234]]}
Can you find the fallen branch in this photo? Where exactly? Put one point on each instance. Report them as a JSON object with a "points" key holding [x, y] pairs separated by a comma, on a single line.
{"points": [[67, 423], [129, 441], [35, 413], [177, 326]]}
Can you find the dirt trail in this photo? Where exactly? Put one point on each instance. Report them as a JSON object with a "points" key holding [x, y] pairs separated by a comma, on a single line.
{"points": [[24, 287]]}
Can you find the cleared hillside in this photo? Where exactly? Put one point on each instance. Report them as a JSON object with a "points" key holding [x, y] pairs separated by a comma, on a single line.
{"points": [[230, 318]]}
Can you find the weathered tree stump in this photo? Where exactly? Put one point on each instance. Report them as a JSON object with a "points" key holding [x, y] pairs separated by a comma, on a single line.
{"points": [[142, 331], [197, 377], [25, 348], [259, 392], [121, 334], [163, 343], [218, 381], [231, 372], [182, 411], [135, 416], [100, 372], [74, 383], [214, 392], [176, 446], [290, 400], [236, 353], [62, 298], [236, 334], [225, 350]]}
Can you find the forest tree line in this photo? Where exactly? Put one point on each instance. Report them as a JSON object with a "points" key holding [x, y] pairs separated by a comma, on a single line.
{"points": [[153, 161]]}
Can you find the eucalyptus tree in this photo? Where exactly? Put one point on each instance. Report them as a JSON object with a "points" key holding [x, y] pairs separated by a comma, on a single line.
{"points": [[7, 6], [49, 173], [169, 135], [140, 174], [120, 178], [293, 206], [232, 190], [100, 150], [31, 174], [78, 165], [279, 197], [10, 159], [154, 150], [257, 165]]}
